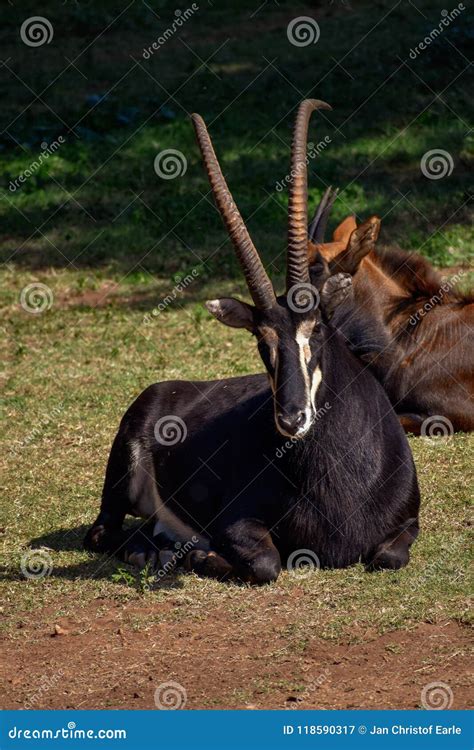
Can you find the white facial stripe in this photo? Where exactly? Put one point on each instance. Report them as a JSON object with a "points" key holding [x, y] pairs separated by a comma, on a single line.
{"points": [[273, 384], [317, 377], [302, 340], [303, 335]]}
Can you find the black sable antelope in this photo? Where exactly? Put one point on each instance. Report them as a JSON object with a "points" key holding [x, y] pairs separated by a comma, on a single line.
{"points": [[229, 478]]}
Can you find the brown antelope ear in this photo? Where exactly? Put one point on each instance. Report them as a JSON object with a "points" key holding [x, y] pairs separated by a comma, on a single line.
{"points": [[330, 250], [232, 312], [343, 232], [361, 242], [335, 290]]}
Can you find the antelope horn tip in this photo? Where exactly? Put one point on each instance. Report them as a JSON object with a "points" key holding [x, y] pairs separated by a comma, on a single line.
{"points": [[319, 104]]}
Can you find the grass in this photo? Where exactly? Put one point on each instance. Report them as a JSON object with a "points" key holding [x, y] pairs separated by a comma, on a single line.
{"points": [[108, 237], [64, 402]]}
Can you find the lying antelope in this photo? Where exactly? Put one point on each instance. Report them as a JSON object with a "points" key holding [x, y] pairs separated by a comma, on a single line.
{"points": [[344, 485], [430, 370]]}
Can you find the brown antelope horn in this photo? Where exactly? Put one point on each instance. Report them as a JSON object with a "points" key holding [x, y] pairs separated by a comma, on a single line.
{"points": [[259, 285], [297, 259]]}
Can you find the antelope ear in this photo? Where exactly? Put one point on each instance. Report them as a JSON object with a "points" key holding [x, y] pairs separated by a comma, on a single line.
{"points": [[344, 230], [361, 242], [328, 250], [232, 312], [341, 237], [336, 290]]}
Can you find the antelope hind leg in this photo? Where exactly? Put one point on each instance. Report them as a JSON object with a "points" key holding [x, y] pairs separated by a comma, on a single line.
{"points": [[412, 423]]}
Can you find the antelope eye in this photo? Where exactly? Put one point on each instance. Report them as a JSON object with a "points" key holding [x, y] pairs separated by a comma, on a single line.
{"points": [[268, 349]]}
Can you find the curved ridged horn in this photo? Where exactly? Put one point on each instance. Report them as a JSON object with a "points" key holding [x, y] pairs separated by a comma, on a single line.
{"points": [[317, 227], [259, 285], [297, 259]]}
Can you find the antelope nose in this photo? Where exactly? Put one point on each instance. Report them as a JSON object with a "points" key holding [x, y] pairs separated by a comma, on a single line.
{"points": [[291, 423]]}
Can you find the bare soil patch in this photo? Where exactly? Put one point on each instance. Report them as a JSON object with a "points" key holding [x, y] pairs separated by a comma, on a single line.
{"points": [[115, 656]]}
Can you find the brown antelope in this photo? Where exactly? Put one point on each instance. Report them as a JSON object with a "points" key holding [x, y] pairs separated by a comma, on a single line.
{"points": [[429, 373]]}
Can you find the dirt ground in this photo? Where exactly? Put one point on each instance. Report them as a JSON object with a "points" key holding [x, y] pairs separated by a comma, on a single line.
{"points": [[119, 659]]}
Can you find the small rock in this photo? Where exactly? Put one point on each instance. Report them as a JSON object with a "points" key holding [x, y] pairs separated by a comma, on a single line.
{"points": [[58, 630]]}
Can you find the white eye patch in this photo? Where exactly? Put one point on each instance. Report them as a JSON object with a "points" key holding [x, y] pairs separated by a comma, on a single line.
{"points": [[270, 337]]}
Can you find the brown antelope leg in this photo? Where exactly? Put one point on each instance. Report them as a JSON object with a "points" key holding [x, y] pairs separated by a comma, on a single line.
{"points": [[412, 423], [394, 552]]}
